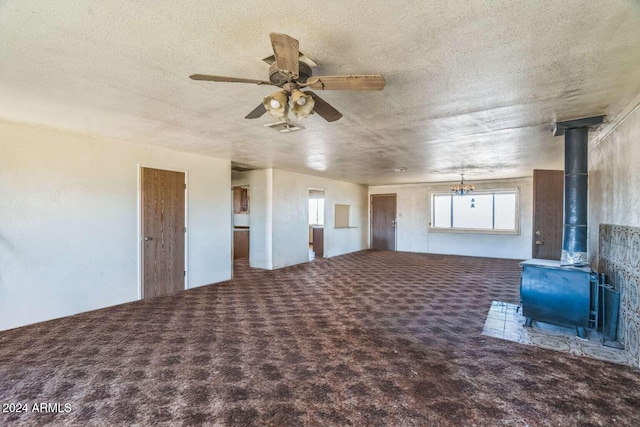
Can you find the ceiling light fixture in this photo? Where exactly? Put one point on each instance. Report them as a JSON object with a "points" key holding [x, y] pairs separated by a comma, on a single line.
{"points": [[301, 104], [462, 189], [277, 104]]}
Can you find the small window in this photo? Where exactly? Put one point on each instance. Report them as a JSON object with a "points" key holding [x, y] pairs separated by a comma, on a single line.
{"points": [[482, 211]]}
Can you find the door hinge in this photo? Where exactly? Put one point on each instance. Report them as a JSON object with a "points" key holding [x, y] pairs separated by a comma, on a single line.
{"points": [[185, 229], [185, 273]]}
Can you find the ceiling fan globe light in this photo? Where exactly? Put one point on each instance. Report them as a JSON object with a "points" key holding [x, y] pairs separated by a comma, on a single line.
{"points": [[305, 108], [274, 103]]}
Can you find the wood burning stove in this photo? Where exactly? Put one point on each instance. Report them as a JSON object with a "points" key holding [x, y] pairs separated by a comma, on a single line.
{"points": [[559, 292]]}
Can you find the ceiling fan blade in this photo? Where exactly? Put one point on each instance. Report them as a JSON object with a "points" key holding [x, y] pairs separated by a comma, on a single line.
{"points": [[270, 59], [257, 112], [351, 82], [323, 108], [227, 79], [286, 51], [301, 56]]}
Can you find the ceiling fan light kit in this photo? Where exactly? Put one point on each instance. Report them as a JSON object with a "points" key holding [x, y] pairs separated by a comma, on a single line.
{"points": [[277, 104], [291, 70], [302, 104]]}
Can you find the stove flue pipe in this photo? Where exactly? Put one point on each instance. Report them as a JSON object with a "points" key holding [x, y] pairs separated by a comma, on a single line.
{"points": [[576, 169]]}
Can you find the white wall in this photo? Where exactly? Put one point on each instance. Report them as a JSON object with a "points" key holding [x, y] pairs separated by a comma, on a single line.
{"points": [[414, 215], [69, 221], [280, 216], [291, 217], [614, 177]]}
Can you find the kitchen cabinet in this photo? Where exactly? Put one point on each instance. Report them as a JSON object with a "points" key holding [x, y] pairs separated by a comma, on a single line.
{"points": [[240, 243]]}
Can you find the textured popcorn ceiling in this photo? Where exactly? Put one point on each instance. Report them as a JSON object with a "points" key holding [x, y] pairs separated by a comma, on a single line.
{"points": [[472, 86]]}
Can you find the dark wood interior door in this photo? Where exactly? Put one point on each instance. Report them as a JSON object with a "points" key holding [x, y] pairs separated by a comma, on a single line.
{"points": [[383, 222], [318, 241], [548, 200], [240, 244], [163, 228]]}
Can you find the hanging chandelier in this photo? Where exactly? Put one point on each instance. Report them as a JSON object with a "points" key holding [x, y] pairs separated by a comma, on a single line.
{"points": [[462, 188]]}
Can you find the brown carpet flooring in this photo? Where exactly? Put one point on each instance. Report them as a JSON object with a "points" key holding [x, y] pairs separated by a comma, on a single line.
{"points": [[370, 338]]}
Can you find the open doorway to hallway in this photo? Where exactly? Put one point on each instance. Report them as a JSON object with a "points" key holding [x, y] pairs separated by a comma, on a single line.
{"points": [[241, 217], [316, 223]]}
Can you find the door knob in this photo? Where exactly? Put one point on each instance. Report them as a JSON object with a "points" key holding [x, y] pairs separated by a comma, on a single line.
{"points": [[537, 233], [148, 238], [539, 242]]}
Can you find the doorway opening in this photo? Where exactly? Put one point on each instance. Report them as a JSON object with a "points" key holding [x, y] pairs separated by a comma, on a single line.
{"points": [[316, 223], [241, 229]]}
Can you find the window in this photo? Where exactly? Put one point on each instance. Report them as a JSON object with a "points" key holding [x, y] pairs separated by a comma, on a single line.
{"points": [[482, 211], [316, 211]]}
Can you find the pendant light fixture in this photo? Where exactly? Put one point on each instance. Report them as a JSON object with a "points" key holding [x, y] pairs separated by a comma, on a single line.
{"points": [[462, 189]]}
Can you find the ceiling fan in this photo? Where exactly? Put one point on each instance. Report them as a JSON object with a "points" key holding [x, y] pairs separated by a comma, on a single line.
{"points": [[289, 69]]}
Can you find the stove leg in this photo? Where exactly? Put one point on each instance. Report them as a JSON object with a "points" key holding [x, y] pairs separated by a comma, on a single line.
{"points": [[527, 322], [581, 332]]}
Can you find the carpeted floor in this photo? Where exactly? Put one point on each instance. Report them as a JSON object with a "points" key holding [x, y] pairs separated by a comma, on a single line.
{"points": [[370, 338]]}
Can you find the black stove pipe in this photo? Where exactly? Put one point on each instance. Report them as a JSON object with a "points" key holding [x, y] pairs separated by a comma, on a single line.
{"points": [[574, 237], [576, 169]]}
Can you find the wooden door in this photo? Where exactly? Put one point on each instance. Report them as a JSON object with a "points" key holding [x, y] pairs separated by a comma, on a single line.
{"points": [[163, 228], [240, 244], [318, 241], [383, 222], [548, 199]]}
